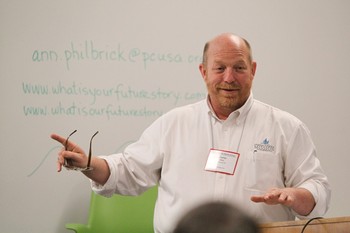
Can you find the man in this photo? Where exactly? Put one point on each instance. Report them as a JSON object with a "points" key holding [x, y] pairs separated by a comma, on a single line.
{"points": [[229, 147]]}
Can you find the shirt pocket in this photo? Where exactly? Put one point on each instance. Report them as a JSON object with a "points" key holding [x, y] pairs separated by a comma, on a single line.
{"points": [[262, 171]]}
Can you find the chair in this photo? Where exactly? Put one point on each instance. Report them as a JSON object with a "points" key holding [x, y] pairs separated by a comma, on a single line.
{"points": [[119, 214]]}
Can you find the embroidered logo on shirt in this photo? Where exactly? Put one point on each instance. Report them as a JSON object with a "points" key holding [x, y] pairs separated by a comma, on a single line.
{"points": [[264, 146]]}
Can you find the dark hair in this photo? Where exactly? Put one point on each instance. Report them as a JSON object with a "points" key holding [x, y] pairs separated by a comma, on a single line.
{"points": [[216, 217]]}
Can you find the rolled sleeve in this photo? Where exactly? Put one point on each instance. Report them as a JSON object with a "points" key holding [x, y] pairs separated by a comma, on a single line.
{"points": [[321, 193]]}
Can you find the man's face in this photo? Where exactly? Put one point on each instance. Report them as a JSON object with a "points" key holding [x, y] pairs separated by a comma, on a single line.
{"points": [[228, 74]]}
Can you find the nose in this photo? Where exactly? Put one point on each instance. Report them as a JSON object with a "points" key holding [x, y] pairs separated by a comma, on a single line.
{"points": [[229, 75]]}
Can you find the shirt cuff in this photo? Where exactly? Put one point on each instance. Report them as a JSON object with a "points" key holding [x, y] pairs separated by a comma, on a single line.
{"points": [[108, 189]]}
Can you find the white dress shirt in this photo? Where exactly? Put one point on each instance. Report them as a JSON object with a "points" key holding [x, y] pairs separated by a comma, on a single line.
{"points": [[275, 150]]}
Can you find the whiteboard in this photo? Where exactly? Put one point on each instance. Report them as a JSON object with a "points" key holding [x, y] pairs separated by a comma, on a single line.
{"points": [[115, 66]]}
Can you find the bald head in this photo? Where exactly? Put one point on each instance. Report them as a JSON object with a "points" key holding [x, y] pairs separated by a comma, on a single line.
{"points": [[226, 40]]}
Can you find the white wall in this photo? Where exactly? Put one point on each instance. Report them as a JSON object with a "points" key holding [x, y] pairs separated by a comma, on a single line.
{"points": [[301, 47]]}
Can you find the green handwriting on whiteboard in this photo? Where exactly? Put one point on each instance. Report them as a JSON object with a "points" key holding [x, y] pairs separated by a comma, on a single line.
{"points": [[89, 51], [73, 109], [56, 148], [119, 92], [76, 99]]}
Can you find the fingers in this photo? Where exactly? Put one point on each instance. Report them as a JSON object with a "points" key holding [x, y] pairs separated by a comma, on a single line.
{"points": [[58, 138], [257, 198], [275, 196], [268, 197], [59, 167], [282, 197], [71, 159], [71, 146], [60, 160], [286, 199], [71, 153]]}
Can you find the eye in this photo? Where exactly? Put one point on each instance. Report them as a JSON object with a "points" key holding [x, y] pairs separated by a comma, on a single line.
{"points": [[240, 68], [219, 69]]}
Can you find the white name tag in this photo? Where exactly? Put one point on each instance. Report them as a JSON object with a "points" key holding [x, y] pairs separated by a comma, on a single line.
{"points": [[222, 161]]}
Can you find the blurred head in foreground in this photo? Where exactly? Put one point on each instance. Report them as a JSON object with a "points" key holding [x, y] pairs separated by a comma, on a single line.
{"points": [[216, 217]]}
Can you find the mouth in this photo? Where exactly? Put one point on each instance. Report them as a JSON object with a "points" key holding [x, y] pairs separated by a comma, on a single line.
{"points": [[229, 90]]}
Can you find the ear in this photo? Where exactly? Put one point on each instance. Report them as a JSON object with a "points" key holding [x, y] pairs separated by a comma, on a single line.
{"points": [[253, 68], [203, 70]]}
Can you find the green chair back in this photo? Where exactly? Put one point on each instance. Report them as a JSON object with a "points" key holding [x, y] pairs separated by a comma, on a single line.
{"points": [[119, 214]]}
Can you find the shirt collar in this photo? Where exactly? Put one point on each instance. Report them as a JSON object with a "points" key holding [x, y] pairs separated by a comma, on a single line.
{"points": [[238, 114]]}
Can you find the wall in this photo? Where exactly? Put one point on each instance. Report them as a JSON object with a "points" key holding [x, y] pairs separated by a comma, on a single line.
{"points": [[115, 66]]}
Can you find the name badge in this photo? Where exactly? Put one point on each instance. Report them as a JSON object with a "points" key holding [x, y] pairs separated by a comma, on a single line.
{"points": [[222, 161]]}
